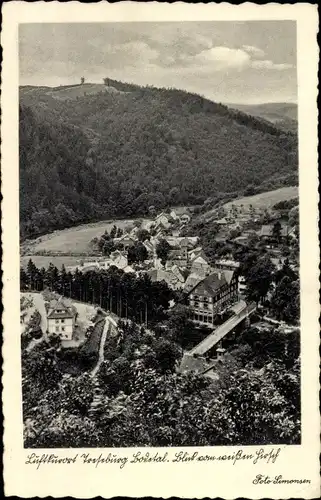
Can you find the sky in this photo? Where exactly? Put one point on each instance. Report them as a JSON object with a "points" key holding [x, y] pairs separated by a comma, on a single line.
{"points": [[246, 62]]}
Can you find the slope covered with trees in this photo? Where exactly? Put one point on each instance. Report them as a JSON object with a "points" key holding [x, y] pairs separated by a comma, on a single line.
{"points": [[119, 153], [138, 398]]}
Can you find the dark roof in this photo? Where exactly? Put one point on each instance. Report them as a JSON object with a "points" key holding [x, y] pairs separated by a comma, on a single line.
{"points": [[267, 230], [192, 281], [60, 310], [211, 284]]}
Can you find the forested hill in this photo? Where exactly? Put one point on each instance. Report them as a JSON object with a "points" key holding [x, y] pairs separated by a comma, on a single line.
{"points": [[282, 114], [91, 151]]}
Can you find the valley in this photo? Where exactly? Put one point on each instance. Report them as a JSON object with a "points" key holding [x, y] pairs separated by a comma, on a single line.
{"points": [[93, 152], [177, 300]]}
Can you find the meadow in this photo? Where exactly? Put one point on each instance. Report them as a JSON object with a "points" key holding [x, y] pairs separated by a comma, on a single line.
{"points": [[267, 199], [74, 241], [70, 246]]}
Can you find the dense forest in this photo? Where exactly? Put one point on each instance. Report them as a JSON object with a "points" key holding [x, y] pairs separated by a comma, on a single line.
{"points": [[116, 154], [139, 399]]}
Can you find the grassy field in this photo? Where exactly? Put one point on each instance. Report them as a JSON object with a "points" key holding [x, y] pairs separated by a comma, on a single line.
{"points": [[267, 199], [45, 260], [74, 240]]}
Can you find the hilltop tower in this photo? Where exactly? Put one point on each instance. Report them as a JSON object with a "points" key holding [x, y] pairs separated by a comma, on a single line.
{"points": [[82, 80]]}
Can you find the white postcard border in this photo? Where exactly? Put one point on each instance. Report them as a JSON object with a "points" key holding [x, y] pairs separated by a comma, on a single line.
{"points": [[186, 480]]}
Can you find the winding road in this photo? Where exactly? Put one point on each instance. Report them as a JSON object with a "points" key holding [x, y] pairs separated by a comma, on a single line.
{"points": [[109, 326]]}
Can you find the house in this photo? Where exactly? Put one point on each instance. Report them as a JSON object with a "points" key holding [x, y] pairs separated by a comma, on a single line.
{"points": [[163, 221], [233, 265], [133, 232], [174, 215], [240, 241], [241, 285], [212, 296], [189, 241], [149, 247], [179, 273], [165, 275], [118, 259], [227, 264], [195, 252], [222, 222], [178, 256], [125, 241], [266, 232], [147, 224], [200, 263], [192, 280], [61, 320]]}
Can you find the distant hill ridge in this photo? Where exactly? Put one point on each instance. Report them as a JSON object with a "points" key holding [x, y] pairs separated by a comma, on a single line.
{"points": [[90, 151], [282, 114]]}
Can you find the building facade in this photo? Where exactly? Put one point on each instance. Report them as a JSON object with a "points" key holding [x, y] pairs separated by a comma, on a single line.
{"points": [[61, 321], [212, 296]]}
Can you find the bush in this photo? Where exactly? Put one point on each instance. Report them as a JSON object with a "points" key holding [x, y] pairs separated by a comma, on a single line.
{"points": [[36, 333]]}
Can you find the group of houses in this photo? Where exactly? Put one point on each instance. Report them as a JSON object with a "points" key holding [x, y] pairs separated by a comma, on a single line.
{"points": [[209, 289]]}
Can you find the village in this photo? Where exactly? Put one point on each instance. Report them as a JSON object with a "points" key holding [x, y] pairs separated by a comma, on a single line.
{"points": [[214, 291]]}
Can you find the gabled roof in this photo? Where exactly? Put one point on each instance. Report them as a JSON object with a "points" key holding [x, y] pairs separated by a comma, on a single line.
{"points": [[267, 230], [185, 242], [192, 280], [161, 275], [60, 310], [211, 284], [162, 214], [174, 215], [195, 250], [118, 257], [199, 260], [148, 245], [229, 275], [125, 236], [178, 273], [228, 262]]}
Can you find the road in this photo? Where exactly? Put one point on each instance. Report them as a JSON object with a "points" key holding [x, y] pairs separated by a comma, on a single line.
{"points": [[109, 326]]}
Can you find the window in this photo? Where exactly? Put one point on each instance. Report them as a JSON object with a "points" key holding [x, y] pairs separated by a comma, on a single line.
{"points": [[62, 321], [62, 328], [57, 320], [57, 328], [205, 305]]}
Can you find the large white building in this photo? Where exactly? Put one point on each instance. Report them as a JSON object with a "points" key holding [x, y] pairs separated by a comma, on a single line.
{"points": [[61, 320]]}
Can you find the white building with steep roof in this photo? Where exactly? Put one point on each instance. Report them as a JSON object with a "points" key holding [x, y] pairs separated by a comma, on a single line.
{"points": [[61, 320]]}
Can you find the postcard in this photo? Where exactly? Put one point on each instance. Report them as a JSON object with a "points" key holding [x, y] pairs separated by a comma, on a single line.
{"points": [[160, 250]]}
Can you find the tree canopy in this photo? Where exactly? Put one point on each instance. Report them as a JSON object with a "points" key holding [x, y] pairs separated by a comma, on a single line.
{"points": [[102, 155]]}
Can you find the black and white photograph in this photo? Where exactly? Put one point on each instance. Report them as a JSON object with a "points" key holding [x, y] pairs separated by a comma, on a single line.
{"points": [[160, 264], [159, 234]]}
